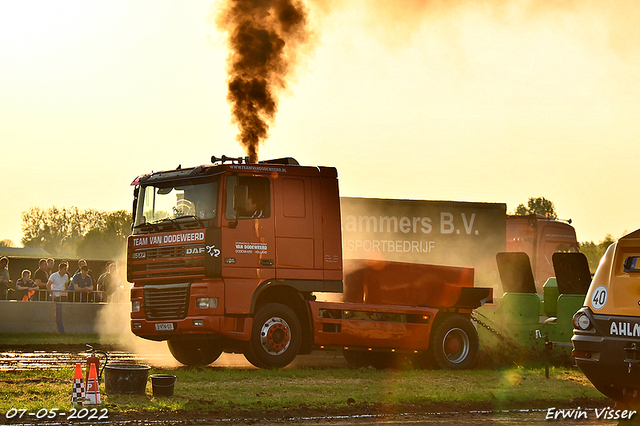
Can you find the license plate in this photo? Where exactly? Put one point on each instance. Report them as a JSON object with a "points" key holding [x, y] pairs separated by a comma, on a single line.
{"points": [[164, 326]]}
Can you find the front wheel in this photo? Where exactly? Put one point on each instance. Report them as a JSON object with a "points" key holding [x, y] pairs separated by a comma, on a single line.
{"points": [[193, 352], [276, 337], [454, 342]]}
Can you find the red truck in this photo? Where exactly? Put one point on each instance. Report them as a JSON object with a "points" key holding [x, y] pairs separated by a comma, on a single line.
{"points": [[247, 258], [540, 237]]}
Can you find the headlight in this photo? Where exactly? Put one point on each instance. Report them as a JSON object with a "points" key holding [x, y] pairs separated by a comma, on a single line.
{"points": [[135, 306], [207, 302], [581, 321]]}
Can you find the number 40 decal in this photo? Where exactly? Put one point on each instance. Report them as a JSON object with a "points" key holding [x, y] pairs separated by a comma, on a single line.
{"points": [[599, 297]]}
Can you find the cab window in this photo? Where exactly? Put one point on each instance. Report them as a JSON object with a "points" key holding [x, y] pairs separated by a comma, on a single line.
{"points": [[247, 197]]}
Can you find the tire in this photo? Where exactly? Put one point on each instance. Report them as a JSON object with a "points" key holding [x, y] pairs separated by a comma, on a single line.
{"points": [[276, 337], [194, 352], [454, 342]]}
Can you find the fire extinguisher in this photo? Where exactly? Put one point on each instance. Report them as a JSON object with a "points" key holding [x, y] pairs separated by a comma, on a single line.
{"points": [[93, 359]]}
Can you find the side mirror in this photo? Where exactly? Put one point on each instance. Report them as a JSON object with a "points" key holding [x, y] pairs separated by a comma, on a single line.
{"points": [[134, 209], [241, 197]]}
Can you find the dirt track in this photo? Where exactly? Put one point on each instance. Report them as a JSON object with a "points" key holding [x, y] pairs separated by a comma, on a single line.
{"points": [[28, 357], [441, 413]]}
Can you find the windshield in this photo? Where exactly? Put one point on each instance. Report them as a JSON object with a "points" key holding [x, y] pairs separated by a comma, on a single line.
{"points": [[176, 200]]}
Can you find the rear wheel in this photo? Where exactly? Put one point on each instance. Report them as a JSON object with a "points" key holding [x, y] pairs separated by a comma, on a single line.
{"points": [[454, 342], [194, 352], [276, 337]]}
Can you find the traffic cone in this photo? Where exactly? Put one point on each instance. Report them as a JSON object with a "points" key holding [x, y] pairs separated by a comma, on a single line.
{"points": [[93, 390], [77, 392]]}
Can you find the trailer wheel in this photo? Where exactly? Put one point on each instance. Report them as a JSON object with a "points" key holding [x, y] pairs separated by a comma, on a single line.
{"points": [[454, 342], [276, 337], [194, 352]]}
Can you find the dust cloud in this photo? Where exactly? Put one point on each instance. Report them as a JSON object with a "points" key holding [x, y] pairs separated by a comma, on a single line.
{"points": [[449, 233], [113, 320]]}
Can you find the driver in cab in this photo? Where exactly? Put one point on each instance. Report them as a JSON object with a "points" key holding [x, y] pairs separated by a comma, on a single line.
{"points": [[253, 207]]}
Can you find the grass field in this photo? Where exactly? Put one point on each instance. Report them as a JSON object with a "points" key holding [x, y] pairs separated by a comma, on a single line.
{"points": [[223, 389], [215, 388]]}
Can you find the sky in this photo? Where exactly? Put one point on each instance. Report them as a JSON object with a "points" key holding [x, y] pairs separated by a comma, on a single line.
{"points": [[469, 100]]}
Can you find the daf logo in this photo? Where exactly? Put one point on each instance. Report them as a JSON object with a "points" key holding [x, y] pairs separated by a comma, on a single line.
{"points": [[212, 250], [194, 250]]}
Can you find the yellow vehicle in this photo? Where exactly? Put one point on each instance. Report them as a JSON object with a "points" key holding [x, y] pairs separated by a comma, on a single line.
{"points": [[606, 340]]}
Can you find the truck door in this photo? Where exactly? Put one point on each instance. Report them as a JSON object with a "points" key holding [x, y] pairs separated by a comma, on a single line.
{"points": [[298, 231], [248, 242]]}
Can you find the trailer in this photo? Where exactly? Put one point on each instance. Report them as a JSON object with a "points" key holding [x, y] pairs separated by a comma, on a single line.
{"points": [[454, 233], [531, 261]]}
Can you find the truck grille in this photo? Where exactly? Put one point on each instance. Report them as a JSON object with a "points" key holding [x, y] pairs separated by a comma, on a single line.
{"points": [[165, 262], [169, 301], [162, 252]]}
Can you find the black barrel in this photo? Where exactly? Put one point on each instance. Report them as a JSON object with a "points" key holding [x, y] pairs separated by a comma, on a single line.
{"points": [[126, 378]]}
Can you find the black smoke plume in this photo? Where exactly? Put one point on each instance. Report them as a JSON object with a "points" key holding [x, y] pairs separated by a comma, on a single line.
{"points": [[263, 39]]}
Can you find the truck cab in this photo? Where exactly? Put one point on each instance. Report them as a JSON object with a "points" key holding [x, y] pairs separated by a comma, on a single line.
{"points": [[213, 244], [606, 340]]}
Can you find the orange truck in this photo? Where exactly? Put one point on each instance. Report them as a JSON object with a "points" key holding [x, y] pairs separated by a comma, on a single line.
{"points": [[540, 237], [247, 258]]}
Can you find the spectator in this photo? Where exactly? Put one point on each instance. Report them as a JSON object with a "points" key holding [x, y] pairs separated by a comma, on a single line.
{"points": [[100, 282], [5, 281], [51, 266], [57, 284], [25, 287], [81, 285], [81, 263], [41, 276], [111, 280]]}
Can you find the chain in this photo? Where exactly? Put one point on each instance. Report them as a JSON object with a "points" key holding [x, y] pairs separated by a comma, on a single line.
{"points": [[474, 317]]}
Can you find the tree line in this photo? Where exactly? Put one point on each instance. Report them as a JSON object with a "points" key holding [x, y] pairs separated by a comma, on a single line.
{"points": [[101, 234], [69, 231]]}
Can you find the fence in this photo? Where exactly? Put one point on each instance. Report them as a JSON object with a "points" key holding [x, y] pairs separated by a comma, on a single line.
{"points": [[68, 296]]}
